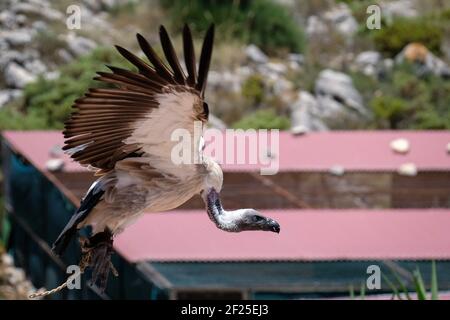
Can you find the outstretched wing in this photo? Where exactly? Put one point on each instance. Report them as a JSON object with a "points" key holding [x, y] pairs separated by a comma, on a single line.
{"points": [[138, 116]]}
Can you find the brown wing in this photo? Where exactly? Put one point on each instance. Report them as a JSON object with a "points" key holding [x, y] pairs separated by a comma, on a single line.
{"points": [[105, 125]]}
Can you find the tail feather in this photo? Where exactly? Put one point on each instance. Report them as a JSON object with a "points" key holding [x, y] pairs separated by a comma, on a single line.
{"points": [[91, 199]]}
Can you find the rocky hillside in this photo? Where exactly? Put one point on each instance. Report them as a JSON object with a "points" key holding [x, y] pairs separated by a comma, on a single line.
{"points": [[313, 65]]}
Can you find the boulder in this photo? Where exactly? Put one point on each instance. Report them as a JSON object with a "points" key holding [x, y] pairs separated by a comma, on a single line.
{"points": [[255, 54], [20, 57], [4, 97], [8, 20], [9, 95], [341, 17], [227, 81], [398, 8], [39, 8], [315, 26], [35, 67], [368, 62], [16, 76], [39, 26], [17, 37], [305, 115], [335, 93], [78, 45]]}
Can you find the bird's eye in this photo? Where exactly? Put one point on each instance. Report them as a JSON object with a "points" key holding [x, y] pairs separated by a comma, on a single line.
{"points": [[257, 218]]}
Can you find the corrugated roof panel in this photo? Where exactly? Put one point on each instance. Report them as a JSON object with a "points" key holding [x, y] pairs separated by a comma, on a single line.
{"points": [[319, 151], [305, 235]]}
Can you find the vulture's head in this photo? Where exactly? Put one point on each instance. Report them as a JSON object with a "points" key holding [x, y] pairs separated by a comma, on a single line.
{"points": [[250, 219], [236, 220]]}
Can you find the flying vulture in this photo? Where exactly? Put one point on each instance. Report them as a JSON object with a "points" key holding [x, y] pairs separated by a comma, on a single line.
{"points": [[124, 135]]}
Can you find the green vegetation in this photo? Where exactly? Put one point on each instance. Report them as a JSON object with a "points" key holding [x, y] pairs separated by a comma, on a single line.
{"points": [[398, 287], [401, 100], [263, 119], [48, 43], [47, 103], [253, 89], [265, 23], [392, 38]]}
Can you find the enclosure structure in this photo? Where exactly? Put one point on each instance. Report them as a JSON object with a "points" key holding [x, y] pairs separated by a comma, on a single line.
{"points": [[356, 169], [319, 253]]}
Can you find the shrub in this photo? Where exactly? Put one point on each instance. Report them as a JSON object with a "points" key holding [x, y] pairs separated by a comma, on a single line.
{"points": [[405, 101], [47, 103], [263, 119], [391, 39], [267, 24], [388, 110], [253, 89]]}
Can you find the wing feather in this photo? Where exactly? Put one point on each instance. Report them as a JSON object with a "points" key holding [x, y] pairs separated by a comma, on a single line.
{"points": [[205, 60], [189, 56], [138, 116], [171, 56]]}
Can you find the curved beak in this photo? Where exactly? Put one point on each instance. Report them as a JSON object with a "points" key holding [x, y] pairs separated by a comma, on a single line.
{"points": [[273, 226]]}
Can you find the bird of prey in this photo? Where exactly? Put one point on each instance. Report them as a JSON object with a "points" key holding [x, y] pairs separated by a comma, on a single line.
{"points": [[124, 133]]}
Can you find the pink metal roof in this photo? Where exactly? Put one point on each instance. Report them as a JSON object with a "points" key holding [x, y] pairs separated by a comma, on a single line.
{"points": [[305, 235], [36, 146], [352, 150]]}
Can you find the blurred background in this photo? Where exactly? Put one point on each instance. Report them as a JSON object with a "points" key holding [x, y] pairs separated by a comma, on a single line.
{"points": [[363, 100]]}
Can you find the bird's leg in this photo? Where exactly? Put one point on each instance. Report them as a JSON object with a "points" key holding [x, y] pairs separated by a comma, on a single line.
{"points": [[96, 253]]}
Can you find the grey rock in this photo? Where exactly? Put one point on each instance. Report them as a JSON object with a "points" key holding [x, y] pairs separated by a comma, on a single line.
{"points": [[335, 92], [4, 97], [398, 8], [4, 46], [15, 56], [11, 56], [368, 62], [9, 95], [64, 55], [21, 19], [52, 75], [8, 20], [276, 67], [226, 81], [315, 26], [255, 54], [79, 45], [305, 114], [40, 8], [17, 37], [341, 17], [39, 26], [368, 57], [296, 57], [99, 5], [16, 76], [282, 86], [35, 67]]}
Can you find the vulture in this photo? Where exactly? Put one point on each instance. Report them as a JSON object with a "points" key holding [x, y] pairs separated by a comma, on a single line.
{"points": [[124, 133]]}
